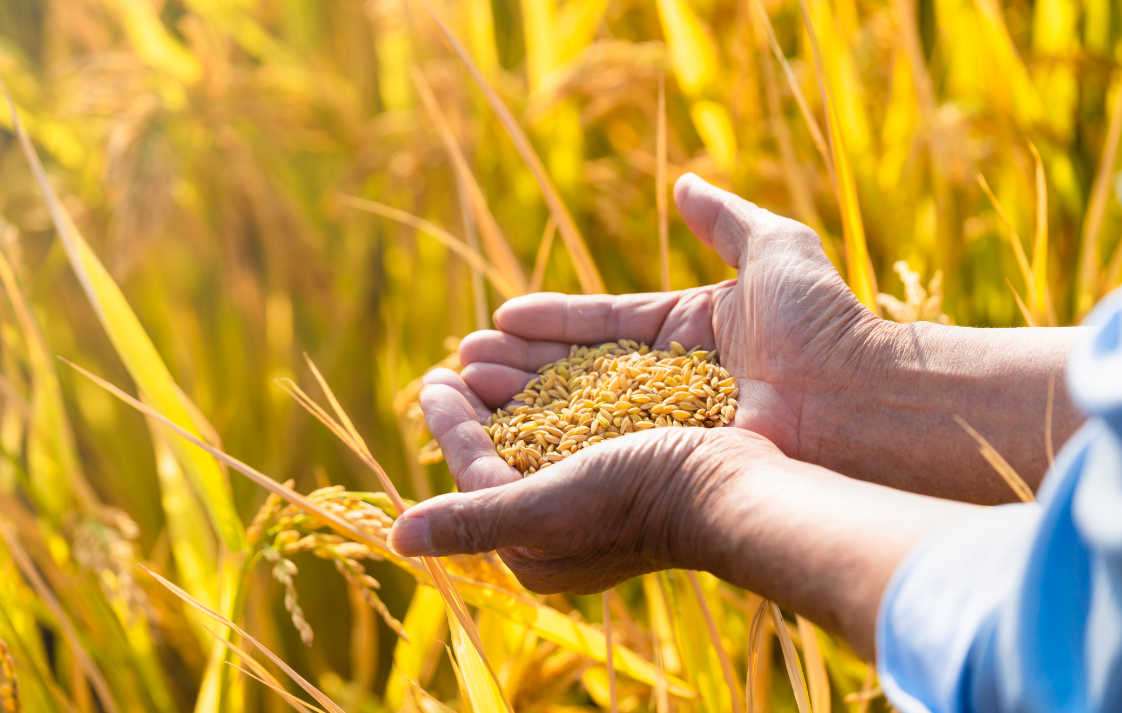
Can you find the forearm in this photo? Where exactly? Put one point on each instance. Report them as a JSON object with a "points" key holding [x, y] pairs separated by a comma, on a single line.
{"points": [[822, 544], [900, 429]]}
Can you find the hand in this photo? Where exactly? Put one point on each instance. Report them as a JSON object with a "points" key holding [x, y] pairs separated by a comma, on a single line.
{"points": [[820, 376], [650, 501], [788, 328], [722, 500]]}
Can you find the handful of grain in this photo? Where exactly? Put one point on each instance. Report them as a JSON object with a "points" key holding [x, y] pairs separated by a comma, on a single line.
{"points": [[605, 392]]}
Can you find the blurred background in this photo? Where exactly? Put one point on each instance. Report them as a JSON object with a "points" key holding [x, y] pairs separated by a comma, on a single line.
{"points": [[211, 153]]}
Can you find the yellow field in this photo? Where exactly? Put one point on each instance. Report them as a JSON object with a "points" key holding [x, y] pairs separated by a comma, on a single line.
{"points": [[238, 182]]}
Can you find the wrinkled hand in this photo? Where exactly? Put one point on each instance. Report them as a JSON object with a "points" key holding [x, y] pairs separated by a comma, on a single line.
{"points": [[653, 500], [788, 328]]}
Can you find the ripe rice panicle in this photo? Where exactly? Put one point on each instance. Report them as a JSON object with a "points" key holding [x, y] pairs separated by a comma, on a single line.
{"points": [[599, 393]]}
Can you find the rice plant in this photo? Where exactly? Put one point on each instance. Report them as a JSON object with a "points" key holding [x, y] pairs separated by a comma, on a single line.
{"points": [[196, 193]]}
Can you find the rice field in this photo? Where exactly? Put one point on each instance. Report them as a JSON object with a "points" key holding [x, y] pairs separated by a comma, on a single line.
{"points": [[248, 227]]}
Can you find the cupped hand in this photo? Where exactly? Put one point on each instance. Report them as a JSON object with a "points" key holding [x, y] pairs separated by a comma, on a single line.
{"points": [[788, 328], [653, 500]]}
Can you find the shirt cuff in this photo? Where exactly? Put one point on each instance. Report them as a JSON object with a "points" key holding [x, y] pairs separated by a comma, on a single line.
{"points": [[942, 598]]}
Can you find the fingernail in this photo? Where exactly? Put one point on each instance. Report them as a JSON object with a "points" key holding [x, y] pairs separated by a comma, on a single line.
{"points": [[410, 538]]}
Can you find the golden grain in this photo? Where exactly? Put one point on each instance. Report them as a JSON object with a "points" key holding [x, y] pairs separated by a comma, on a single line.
{"points": [[600, 393]]}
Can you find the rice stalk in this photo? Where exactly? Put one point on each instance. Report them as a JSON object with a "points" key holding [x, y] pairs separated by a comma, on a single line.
{"points": [[756, 632], [467, 254], [495, 243], [862, 279], [1088, 276], [314, 692], [131, 342], [65, 625], [1014, 241], [258, 672], [661, 204], [796, 91], [869, 692], [818, 681], [1026, 313], [1040, 241], [587, 272], [541, 260], [296, 703], [790, 658], [1049, 450], [609, 659], [715, 638], [1015, 482]]}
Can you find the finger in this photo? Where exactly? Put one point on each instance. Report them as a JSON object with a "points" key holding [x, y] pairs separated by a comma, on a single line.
{"points": [[447, 377], [528, 513], [496, 384], [501, 348], [467, 448], [586, 319], [722, 220]]}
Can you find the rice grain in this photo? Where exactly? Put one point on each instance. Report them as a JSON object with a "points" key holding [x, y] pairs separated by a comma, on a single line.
{"points": [[600, 393]]}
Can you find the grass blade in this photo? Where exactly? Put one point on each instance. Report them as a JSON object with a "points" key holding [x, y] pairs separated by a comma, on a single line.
{"points": [[135, 349], [587, 273], [424, 624], [55, 476]]}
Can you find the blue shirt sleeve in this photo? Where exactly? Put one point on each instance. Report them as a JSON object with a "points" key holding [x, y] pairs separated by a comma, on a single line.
{"points": [[1019, 607]]}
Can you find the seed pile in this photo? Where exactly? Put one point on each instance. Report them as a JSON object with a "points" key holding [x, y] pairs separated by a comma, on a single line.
{"points": [[600, 393]]}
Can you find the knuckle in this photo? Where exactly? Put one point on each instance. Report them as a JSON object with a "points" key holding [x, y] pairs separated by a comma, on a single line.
{"points": [[468, 530]]}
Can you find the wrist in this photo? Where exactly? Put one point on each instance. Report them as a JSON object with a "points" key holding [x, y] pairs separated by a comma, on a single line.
{"points": [[897, 423]]}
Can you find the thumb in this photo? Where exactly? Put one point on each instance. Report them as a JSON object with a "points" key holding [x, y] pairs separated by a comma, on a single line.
{"points": [[724, 221], [512, 515]]}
